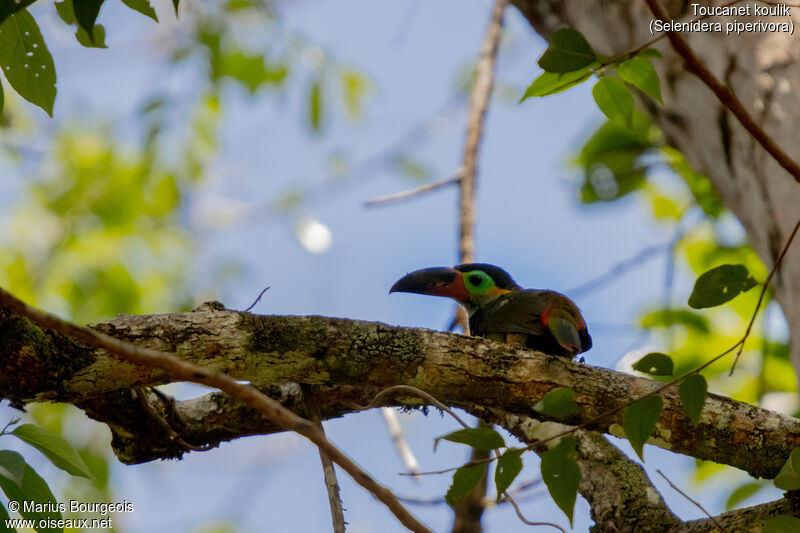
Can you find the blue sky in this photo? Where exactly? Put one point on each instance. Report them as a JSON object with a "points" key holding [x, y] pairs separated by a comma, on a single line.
{"points": [[529, 221]]}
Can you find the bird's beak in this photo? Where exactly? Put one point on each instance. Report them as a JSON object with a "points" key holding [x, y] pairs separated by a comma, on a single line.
{"points": [[437, 281]]}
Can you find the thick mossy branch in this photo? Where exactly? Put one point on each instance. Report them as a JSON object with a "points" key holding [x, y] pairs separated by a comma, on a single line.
{"points": [[348, 362]]}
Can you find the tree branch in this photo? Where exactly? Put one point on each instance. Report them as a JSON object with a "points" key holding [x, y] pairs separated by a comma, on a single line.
{"points": [[329, 476], [413, 193], [352, 361], [182, 370], [693, 501], [478, 104]]}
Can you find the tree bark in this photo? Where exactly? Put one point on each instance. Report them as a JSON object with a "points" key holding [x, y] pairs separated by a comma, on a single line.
{"points": [[348, 363], [762, 69]]}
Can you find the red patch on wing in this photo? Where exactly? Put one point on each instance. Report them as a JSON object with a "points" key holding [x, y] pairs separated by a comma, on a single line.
{"points": [[543, 317]]}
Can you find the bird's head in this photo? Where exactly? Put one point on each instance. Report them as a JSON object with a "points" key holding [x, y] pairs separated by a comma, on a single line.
{"points": [[472, 285]]}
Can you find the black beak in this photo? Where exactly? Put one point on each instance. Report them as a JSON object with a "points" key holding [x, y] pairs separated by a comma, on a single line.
{"points": [[436, 281]]}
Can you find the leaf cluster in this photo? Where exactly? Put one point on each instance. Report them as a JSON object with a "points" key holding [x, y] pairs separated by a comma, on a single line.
{"points": [[21, 483]]}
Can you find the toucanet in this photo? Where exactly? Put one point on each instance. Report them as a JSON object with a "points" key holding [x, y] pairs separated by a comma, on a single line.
{"points": [[500, 309]]}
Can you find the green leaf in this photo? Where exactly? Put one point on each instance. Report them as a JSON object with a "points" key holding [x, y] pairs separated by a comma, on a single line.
{"points": [[480, 438], [640, 73], [558, 403], [704, 192], [97, 464], [562, 475], [465, 479], [238, 5], [639, 420], [66, 11], [655, 364], [355, 88], [58, 450], [555, 82], [143, 7], [741, 493], [249, 69], [315, 105], [664, 318], [2, 98], [789, 476], [693, 395], [568, 51], [782, 524], [509, 465], [650, 53], [615, 100], [24, 484], [86, 12], [26, 61], [12, 467], [97, 40], [175, 4], [3, 517], [720, 285]]}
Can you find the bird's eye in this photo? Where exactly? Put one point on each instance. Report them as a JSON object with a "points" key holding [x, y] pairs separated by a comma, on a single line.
{"points": [[475, 280]]}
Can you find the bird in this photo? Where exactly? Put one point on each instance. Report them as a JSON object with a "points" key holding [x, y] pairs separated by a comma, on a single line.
{"points": [[501, 310]]}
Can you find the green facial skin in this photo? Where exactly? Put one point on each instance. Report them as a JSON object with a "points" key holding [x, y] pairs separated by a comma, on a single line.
{"points": [[481, 289]]}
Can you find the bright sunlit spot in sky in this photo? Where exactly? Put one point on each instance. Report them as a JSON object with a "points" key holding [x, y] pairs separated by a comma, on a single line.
{"points": [[314, 236]]}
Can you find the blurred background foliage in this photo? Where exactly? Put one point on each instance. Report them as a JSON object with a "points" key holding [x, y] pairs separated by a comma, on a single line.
{"points": [[102, 225]]}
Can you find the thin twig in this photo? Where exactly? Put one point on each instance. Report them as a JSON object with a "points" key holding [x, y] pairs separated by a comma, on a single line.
{"points": [[451, 469], [764, 291], [432, 401], [11, 422], [669, 280], [525, 520], [725, 95], [407, 195], [619, 269], [478, 104], [260, 294], [696, 503], [461, 320], [439, 500], [181, 370], [400, 442], [413, 390], [456, 320], [328, 471], [487, 502]]}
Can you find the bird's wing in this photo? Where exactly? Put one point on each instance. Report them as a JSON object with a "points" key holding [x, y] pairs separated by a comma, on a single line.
{"points": [[565, 333], [516, 312]]}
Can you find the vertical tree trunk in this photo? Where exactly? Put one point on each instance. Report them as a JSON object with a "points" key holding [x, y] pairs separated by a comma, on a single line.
{"points": [[763, 70]]}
